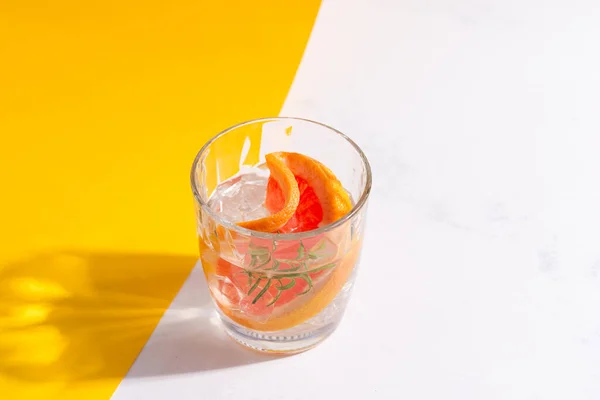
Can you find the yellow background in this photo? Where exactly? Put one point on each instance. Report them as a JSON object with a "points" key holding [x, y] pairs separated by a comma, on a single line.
{"points": [[103, 106]]}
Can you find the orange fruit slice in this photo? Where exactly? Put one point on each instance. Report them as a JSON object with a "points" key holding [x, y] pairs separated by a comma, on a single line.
{"points": [[290, 193], [323, 199], [309, 213], [334, 200]]}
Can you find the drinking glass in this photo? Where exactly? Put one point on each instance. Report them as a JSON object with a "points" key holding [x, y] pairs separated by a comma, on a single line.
{"points": [[278, 292]]}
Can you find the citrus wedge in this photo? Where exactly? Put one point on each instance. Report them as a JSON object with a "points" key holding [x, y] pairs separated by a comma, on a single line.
{"points": [[309, 213], [284, 177], [323, 199]]}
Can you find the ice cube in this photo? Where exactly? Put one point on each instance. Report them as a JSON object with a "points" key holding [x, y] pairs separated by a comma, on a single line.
{"points": [[241, 198]]}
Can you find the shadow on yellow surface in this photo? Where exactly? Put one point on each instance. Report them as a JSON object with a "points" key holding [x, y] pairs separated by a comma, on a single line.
{"points": [[75, 315]]}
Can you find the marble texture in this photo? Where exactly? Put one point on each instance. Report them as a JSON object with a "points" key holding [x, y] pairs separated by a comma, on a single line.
{"points": [[480, 276]]}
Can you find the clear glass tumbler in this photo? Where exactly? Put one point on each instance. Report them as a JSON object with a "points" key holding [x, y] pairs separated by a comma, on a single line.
{"points": [[275, 292]]}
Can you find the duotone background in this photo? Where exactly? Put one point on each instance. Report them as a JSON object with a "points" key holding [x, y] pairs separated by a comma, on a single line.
{"points": [[480, 275]]}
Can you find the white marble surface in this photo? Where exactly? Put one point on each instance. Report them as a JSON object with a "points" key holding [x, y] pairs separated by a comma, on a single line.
{"points": [[480, 276]]}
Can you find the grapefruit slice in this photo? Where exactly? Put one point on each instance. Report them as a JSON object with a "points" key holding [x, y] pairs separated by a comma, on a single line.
{"points": [[323, 199], [309, 213], [281, 174]]}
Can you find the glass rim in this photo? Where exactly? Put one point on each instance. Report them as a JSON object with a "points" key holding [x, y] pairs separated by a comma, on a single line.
{"points": [[280, 236]]}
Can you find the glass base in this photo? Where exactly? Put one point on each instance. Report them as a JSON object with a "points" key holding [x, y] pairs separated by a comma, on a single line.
{"points": [[284, 342]]}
